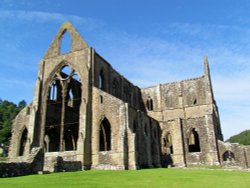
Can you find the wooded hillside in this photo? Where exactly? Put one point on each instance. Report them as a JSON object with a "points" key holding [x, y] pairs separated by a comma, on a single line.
{"points": [[242, 138]]}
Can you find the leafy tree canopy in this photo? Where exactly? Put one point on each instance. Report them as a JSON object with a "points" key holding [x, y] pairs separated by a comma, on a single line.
{"points": [[241, 138], [8, 111]]}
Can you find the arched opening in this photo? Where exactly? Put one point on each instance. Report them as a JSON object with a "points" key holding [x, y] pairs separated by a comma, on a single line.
{"points": [[149, 104], [193, 141], [167, 144], [105, 136], [62, 115], [101, 80], [228, 156], [23, 142], [65, 41]]}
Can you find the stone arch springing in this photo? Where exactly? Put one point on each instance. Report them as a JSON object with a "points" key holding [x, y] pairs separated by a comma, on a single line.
{"points": [[65, 42], [101, 80], [228, 156], [105, 135], [167, 145], [149, 104], [62, 115], [23, 142], [193, 141]]}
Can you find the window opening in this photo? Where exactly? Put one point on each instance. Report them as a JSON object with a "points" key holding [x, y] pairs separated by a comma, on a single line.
{"points": [[228, 156], [65, 46], [53, 91], [149, 104], [105, 136], [101, 99], [101, 78], [63, 132], [66, 71], [193, 141]]}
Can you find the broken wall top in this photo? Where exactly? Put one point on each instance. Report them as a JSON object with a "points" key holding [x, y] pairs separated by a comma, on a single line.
{"points": [[77, 42]]}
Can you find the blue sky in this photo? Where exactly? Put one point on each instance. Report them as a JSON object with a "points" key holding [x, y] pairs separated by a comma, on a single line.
{"points": [[147, 41]]}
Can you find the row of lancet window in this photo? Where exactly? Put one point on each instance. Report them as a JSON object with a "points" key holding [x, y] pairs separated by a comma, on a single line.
{"points": [[116, 88]]}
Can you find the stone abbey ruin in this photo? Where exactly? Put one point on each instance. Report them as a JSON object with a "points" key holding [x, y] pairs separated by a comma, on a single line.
{"points": [[86, 115]]}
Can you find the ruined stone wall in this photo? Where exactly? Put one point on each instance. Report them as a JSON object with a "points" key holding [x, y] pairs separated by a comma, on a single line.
{"points": [[61, 161], [115, 83], [32, 163], [144, 139], [234, 155], [208, 154], [180, 107], [20, 123], [177, 157], [105, 106], [135, 136]]}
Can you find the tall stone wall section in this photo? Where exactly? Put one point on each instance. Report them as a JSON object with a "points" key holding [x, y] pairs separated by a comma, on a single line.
{"points": [[180, 107]]}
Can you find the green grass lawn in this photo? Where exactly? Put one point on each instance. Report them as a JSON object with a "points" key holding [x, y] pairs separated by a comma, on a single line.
{"points": [[153, 178]]}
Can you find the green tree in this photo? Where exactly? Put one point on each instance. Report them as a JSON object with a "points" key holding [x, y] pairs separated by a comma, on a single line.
{"points": [[8, 111], [241, 138]]}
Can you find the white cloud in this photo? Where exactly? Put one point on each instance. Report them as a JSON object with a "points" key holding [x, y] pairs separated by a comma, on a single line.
{"points": [[42, 17]]}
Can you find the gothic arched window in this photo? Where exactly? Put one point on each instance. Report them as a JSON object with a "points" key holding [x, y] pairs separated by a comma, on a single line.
{"points": [[105, 136]]}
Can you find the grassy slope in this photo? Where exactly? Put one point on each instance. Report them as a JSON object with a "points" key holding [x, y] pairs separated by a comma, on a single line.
{"points": [[142, 178]]}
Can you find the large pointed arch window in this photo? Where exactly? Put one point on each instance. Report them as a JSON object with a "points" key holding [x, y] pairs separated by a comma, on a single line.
{"points": [[193, 141], [63, 132], [105, 136]]}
